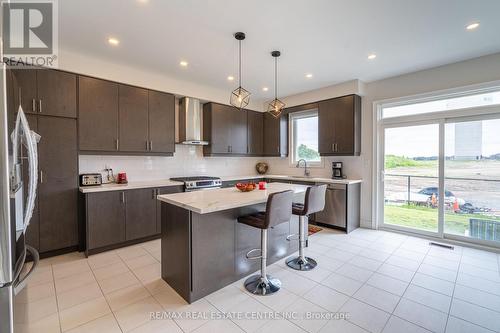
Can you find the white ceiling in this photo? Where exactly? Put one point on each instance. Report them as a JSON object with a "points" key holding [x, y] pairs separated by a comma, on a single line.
{"points": [[329, 38]]}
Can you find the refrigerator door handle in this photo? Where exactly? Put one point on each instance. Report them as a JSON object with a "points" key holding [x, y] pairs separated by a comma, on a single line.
{"points": [[21, 283]]}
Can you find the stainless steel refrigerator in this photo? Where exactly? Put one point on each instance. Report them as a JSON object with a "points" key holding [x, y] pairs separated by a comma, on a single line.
{"points": [[16, 207]]}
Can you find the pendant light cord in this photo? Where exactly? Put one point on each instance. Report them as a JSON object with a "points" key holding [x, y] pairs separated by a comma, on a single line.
{"points": [[239, 71], [276, 78]]}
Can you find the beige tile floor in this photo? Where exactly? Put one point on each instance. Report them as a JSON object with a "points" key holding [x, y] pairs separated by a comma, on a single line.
{"points": [[386, 283]]}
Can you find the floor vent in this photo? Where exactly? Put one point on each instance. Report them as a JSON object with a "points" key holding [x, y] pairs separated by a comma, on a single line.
{"points": [[446, 246]]}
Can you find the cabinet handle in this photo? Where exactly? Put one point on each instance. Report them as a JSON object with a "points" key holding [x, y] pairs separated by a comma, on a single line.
{"points": [[147, 145], [151, 145], [116, 144], [33, 104], [228, 149], [154, 193], [333, 147], [41, 176], [40, 105], [122, 197], [336, 147]]}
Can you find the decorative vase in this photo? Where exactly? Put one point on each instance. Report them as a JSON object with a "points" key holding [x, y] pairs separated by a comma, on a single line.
{"points": [[261, 168]]}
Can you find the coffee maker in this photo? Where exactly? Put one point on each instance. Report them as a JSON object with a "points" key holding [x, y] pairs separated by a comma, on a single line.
{"points": [[337, 170]]}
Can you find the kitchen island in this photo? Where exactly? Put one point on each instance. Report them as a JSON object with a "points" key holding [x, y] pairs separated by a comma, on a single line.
{"points": [[203, 246]]}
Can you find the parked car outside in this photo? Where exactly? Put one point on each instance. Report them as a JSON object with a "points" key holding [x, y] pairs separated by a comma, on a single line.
{"points": [[449, 197]]}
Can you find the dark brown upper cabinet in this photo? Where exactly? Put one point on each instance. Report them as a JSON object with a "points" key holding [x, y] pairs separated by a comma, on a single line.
{"points": [[339, 126], [133, 119], [161, 122], [98, 114], [125, 119], [56, 93], [255, 128], [45, 91], [275, 135], [225, 128], [24, 89]]}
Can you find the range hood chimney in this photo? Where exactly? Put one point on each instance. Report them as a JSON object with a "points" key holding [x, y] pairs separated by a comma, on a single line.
{"points": [[190, 117]]}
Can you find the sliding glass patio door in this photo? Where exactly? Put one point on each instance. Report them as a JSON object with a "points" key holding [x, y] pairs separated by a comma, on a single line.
{"points": [[411, 177], [472, 180], [441, 177]]}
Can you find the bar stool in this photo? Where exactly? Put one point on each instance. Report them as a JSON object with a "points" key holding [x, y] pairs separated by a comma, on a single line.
{"points": [[314, 202], [278, 210]]}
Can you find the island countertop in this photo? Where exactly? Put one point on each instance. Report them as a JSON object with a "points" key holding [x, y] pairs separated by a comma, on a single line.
{"points": [[208, 201]]}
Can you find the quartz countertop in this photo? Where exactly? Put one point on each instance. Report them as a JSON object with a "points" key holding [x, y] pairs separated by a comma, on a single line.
{"points": [[129, 186], [203, 202], [297, 178], [165, 182]]}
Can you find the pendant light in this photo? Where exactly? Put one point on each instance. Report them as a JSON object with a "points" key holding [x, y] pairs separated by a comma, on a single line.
{"points": [[276, 106], [240, 97]]}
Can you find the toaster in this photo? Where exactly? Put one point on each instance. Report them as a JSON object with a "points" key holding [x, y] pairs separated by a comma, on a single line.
{"points": [[90, 179]]}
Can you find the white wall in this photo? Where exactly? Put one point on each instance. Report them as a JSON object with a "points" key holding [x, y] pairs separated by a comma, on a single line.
{"points": [[187, 161]]}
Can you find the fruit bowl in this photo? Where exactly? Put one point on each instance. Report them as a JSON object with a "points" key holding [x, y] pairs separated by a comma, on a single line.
{"points": [[246, 187]]}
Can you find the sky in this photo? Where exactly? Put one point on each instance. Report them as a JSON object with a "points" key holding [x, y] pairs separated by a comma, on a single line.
{"points": [[307, 132], [423, 140]]}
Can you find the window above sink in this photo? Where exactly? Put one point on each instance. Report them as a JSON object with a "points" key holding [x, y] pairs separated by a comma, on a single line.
{"points": [[304, 138]]}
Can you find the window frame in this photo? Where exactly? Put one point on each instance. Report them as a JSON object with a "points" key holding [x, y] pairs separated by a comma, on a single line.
{"points": [[309, 113], [442, 117]]}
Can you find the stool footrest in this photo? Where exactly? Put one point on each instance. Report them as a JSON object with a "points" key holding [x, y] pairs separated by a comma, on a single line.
{"points": [[293, 237], [249, 255]]}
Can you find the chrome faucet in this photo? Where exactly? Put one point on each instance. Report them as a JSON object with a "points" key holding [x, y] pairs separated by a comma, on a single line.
{"points": [[306, 171]]}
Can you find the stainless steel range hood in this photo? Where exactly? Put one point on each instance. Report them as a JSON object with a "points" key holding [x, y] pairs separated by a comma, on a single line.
{"points": [[190, 118]]}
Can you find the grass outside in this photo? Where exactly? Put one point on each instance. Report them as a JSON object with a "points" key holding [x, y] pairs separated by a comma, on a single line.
{"points": [[425, 218]]}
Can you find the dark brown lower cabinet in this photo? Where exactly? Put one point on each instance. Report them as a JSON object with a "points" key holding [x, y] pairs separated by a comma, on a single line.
{"points": [[105, 212], [140, 216], [117, 218]]}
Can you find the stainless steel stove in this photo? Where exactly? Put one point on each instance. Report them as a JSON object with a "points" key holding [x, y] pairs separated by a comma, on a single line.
{"points": [[199, 183]]}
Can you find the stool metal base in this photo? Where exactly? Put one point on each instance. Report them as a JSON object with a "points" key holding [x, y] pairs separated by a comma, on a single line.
{"points": [[301, 264], [257, 285]]}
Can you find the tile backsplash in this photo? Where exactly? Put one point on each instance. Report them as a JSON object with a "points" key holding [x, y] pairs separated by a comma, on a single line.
{"points": [[189, 161]]}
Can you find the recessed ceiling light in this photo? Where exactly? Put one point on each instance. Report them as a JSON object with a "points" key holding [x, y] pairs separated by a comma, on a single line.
{"points": [[183, 63], [309, 76], [230, 78], [372, 56], [265, 89], [143, 1], [472, 26], [113, 41]]}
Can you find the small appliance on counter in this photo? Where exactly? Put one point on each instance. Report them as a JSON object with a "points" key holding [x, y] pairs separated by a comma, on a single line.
{"points": [[122, 178], [337, 170], [90, 179]]}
